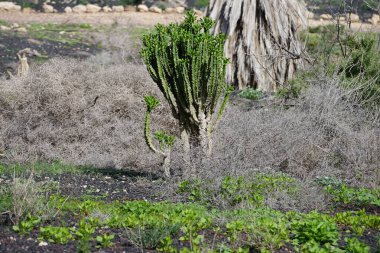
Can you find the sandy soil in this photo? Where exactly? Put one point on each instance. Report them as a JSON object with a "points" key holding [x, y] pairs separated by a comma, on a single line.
{"points": [[131, 19], [125, 18]]}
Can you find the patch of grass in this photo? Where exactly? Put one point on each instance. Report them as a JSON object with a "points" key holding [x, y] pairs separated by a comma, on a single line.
{"points": [[70, 34], [41, 168], [251, 94], [342, 193], [3, 22], [237, 191]]}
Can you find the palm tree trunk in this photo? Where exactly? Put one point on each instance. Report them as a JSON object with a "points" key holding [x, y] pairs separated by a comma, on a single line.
{"points": [[262, 44]]}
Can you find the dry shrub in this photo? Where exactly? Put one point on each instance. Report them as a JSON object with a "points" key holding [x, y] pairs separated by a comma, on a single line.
{"points": [[81, 112], [91, 112], [325, 133]]}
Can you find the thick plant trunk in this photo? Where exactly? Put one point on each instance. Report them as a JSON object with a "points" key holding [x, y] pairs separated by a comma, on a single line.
{"points": [[261, 43]]}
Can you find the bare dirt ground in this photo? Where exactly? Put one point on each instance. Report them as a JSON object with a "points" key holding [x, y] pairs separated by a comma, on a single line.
{"points": [[132, 19], [125, 18]]}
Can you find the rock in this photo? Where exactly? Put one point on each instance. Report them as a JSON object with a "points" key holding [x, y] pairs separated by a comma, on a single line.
{"points": [[34, 42], [106, 9], [375, 19], [47, 8], [92, 8], [80, 8], [28, 10], [326, 17], [118, 8], [9, 6], [142, 8], [15, 25], [199, 13], [170, 10], [43, 243], [21, 30], [29, 52], [342, 19], [155, 9], [310, 15], [180, 9], [4, 28], [354, 18], [68, 10], [130, 8]]}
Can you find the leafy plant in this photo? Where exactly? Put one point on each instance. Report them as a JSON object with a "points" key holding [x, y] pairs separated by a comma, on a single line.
{"points": [[363, 62], [105, 240], [166, 141], [26, 225], [188, 65], [250, 93], [61, 235], [355, 246], [342, 193], [315, 228]]}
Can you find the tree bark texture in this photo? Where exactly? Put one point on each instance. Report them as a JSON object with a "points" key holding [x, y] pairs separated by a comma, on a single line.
{"points": [[262, 45]]}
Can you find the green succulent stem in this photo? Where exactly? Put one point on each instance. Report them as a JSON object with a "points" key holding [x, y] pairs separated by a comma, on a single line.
{"points": [[188, 65]]}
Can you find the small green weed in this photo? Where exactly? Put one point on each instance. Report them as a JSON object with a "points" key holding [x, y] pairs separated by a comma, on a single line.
{"points": [[342, 193], [355, 246], [315, 229], [26, 225], [236, 191], [61, 235], [251, 94], [104, 241]]}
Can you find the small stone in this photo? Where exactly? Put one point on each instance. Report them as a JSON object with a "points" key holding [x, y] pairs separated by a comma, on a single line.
{"points": [[97, 190], [35, 42], [84, 186], [375, 19], [43, 243], [142, 8], [354, 18], [21, 30], [131, 8], [4, 28], [170, 10], [326, 17], [92, 8], [155, 9], [28, 10], [309, 15], [106, 9], [80, 8], [48, 8], [15, 25], [118, 8], [68, 10], [9, 6], [180, 9], [199, 13]]}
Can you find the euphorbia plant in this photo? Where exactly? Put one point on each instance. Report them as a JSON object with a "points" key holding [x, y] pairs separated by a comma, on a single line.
{"points": [[188, 65]]}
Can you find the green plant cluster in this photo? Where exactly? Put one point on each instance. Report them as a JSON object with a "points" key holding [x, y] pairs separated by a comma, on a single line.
{"points": [[237, 191], [163, 226], [354, 56], [342, 193], [247, 224], [251, 94]]}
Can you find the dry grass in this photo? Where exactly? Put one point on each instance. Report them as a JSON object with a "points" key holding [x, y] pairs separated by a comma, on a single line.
{"points": [[81, 112], [325, 134], [91, 112]]}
